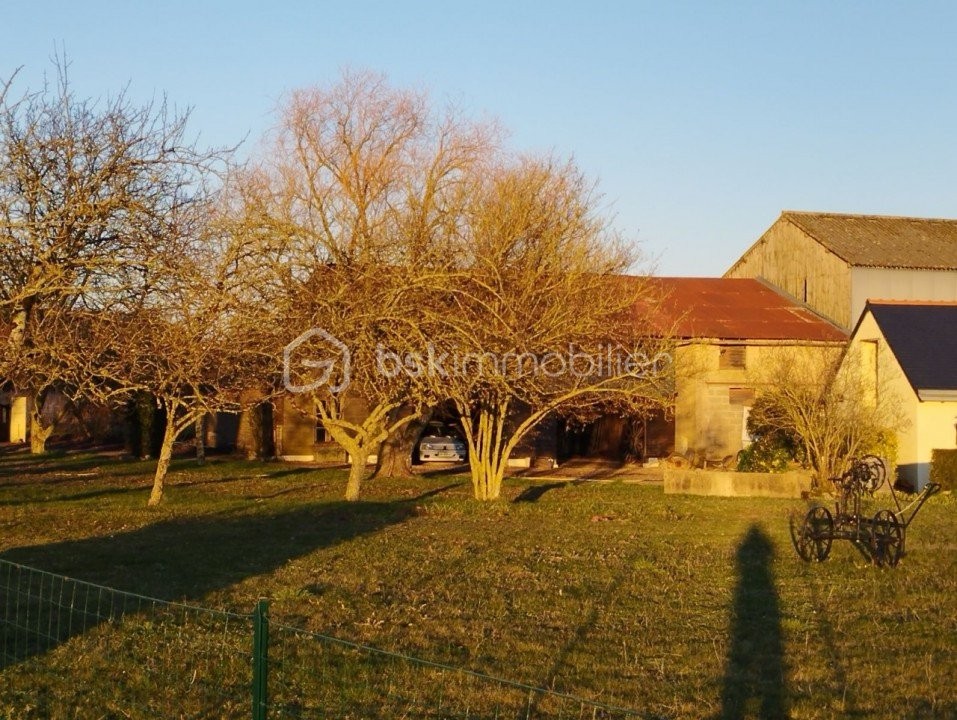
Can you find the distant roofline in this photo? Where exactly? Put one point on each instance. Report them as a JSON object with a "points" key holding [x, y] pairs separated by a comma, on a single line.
{"points": [[794, 217], [876, 216], [722, 340], [878, 301]]}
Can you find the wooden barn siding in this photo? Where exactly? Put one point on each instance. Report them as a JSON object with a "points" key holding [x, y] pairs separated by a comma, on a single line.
{"points": [[789, 259]]}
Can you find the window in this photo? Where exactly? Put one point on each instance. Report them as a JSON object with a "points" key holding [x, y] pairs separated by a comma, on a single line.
{"points": [[321, 434], [746, 438], [731, 356], [741, 396]]}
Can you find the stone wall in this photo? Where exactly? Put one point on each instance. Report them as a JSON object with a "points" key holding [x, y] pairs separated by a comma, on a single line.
{"points": [[736, 484]]}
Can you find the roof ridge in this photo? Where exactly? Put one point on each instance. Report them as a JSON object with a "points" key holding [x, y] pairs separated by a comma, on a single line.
{"points": [[928, 303], [701, 277], [867, 216]]}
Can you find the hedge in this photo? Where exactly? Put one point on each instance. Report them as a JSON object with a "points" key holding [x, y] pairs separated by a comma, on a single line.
{"points": [[943, 468]]}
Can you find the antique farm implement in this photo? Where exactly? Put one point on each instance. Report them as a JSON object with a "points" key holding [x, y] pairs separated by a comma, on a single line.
{"points": [[881, 537]]}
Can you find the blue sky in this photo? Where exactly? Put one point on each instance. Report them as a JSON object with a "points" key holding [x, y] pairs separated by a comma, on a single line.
{"points": [[700, 120]]}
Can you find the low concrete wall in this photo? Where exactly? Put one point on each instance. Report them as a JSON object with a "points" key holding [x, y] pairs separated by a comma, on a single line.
{"points": [[736, 484]]}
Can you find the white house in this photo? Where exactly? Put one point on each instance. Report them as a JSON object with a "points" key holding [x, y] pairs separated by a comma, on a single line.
{"points": [[910, 349]]}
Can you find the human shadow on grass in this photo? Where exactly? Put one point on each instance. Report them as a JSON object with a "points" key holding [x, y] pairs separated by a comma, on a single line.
{"points": [[179, 559], [754, 676]]}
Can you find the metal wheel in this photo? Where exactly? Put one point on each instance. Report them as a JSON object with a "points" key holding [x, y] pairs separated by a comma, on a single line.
{"points": [[887, 538], [813, 540], [872, 473]]}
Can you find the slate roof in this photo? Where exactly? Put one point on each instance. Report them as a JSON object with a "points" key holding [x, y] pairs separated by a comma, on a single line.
{"points": [[736, 309], [883, 241], [923, 338]]}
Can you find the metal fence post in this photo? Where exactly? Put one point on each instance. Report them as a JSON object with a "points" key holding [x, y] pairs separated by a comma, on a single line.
{"points": [[260, 659]]}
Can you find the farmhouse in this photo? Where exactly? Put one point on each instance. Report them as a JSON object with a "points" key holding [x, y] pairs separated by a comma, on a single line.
{"points": [[834, 263], [727, 330], [910, 349], [801, 287]]}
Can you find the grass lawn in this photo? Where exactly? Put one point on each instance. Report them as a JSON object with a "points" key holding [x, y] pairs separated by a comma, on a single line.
{"points": [[675, 606]]}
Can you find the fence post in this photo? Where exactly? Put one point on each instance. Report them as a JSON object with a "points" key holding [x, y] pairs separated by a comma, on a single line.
{"points": [[260, 659]]}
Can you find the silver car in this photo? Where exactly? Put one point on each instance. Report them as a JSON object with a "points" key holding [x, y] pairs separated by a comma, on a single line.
{"points": [[442, 443]]}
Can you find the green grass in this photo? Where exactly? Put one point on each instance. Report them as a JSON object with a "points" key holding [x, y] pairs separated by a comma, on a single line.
{"points": [[679, 607]]}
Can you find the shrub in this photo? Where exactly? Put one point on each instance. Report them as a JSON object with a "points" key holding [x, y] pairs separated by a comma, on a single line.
{"points": [[943, 468], [773, 448], [764, 455]]}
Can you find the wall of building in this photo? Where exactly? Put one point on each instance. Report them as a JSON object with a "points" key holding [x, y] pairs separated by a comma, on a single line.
{"points": [[887, 382], [712, 403], [790, 260], [295, 429], [706, 421], [900, 284], [937, 430]]}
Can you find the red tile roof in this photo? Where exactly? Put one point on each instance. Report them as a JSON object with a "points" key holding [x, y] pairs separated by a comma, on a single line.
{"points": [[736, 309]]}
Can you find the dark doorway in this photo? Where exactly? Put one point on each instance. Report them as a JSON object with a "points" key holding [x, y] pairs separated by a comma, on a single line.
{"points": [[4, 423], [617, 438]]}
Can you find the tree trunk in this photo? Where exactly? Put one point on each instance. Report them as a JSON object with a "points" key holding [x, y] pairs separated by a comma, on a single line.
{"points": [[488, 455], [395, 453], [39, 433], [144, 407], [261, 432], [357, 471], [165, 455], [200, 427]]}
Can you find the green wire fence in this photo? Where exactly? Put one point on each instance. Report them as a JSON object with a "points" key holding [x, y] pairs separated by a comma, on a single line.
{"points": [[69, 648]]}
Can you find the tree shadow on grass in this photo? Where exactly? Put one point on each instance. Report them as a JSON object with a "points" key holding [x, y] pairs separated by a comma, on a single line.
{"points": [[75, 497], [178, 559], [534, 492], [754, 676]]}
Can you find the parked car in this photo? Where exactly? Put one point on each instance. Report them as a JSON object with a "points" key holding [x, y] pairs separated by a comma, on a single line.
{"points": [[442, 442]]}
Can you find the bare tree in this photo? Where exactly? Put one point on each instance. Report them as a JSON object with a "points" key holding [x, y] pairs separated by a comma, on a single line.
{"points": [[538, 317], [86, 188], [361, 187], [197, 346], [821, 396]]}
